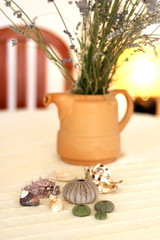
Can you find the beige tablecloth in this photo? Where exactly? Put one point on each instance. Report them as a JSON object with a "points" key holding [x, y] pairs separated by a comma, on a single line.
{"points": [[28, 150]]}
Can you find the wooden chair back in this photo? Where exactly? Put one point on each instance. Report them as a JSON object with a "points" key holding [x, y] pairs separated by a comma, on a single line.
{"points": [[21, 79]]}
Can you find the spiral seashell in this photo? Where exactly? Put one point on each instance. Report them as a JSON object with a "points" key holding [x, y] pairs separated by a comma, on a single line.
{"points": [[80, 191], [101, 176], [55, 204]]}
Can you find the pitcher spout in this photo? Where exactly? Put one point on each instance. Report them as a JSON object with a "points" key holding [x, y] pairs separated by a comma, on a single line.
{"points": [[62, 100], [48, 99]]}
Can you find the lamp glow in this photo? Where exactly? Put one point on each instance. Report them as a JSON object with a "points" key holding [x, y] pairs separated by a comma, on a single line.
{"points": [[146, 74], [140, 75]]}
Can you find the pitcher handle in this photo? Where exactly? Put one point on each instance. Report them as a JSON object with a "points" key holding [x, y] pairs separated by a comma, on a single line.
{"points": [[129, 109]]}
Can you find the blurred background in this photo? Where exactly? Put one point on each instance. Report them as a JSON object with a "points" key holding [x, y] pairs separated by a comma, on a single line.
{"points": [[139, 74], [46, 17]]}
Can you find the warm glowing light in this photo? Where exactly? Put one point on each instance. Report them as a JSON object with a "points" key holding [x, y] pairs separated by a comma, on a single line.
{"points": [[140, 75], [145, 74]]}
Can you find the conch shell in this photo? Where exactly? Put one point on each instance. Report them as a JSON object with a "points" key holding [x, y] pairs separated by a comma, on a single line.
{"points": [[101, 176]]}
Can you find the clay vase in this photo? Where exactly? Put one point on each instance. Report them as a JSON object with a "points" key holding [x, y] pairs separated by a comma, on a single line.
{"points": [[89, 129]]}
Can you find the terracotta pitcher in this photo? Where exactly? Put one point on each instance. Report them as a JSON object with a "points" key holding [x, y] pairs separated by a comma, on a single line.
{"points": [[89, 130]]}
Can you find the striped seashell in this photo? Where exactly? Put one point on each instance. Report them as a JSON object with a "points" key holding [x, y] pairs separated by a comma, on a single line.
{"points": [[80, 191]]}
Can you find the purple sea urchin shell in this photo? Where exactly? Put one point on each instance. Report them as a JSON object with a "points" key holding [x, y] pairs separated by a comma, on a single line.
{"points": [[80, 191], [42, 188]]}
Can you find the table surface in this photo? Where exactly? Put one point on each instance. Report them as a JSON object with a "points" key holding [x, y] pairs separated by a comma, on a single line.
{"points": [[28, 151]]}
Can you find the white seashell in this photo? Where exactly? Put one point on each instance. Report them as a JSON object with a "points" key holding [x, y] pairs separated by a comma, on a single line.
{"points": [[61, 175], [101, 176], [107, 188], [55, 204]]}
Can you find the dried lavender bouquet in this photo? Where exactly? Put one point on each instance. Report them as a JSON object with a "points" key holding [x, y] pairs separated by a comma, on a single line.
{"points": [[107, 28]]}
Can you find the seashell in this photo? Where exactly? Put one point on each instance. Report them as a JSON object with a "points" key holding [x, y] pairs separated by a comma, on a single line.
{"points": [[104, 206], [101, 176], [61, 175], [100, 215], [80, 191], [55, 204], [29, 199], [107, 188], [98, 170], [81, 210]]}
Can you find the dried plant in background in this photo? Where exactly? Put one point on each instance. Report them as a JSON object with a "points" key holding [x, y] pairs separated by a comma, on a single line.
{"points": [[106, 30]]}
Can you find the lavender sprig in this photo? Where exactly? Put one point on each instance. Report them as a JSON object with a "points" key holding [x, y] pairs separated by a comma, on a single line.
{"points": [[107, 28]]}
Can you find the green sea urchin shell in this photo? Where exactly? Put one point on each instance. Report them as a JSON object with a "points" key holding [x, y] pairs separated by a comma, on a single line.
{"points": [[80, 191], [104, 206], [81, 210], [100, 215]]}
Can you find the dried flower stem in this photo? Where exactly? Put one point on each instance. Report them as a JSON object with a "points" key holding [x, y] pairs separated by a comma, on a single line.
{"points": [[108, 27], [39, 39]]}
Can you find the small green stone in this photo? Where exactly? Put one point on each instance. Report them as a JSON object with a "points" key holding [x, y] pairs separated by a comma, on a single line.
{"points": [[81, 210], [100, 215], [104, 206]]}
